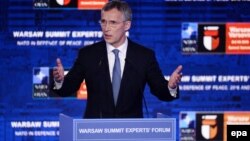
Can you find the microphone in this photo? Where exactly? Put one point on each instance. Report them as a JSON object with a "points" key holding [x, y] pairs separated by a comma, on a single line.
{"points": [[133, 65], [100, 106], [100, 62], [139, 74]]}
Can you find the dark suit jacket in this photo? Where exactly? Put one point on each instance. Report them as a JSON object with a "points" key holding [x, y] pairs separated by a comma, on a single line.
{"points": [[141, 67]]}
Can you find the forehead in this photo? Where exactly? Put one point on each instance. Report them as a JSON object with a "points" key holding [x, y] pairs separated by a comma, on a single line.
{"points": [[112, 14]]}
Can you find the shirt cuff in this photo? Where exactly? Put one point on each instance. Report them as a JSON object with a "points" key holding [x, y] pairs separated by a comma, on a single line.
{"points": [[173, 92], [57, 85]]}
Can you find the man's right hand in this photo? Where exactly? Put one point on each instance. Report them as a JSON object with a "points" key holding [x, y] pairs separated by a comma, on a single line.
{"points": [[58, 71]]}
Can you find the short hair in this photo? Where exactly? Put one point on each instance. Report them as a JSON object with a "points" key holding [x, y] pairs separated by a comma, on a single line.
{"points": [[121, 6]]}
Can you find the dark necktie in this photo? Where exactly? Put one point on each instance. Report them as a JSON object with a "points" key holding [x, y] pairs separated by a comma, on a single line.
{"points": [[116, 79]]}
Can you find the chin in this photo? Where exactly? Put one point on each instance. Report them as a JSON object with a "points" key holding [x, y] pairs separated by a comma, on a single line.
{"points": [[108, 41]]}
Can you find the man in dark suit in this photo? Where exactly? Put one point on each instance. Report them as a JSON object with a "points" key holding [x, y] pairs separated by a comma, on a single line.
{"points": [[116, 70]]}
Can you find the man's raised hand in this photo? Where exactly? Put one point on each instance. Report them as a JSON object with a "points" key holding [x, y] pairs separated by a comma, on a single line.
{"points": [[175, 78], [58, 71]]}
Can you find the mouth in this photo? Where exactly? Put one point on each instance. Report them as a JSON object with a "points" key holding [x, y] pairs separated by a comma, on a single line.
{"points": [[107, 36]]}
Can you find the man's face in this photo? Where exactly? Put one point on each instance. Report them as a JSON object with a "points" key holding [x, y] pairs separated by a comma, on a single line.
{"points": [[114, 27]]}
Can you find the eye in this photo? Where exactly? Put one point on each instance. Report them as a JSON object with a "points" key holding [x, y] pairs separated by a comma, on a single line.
{"points": [[103, 21], [113, 22]]}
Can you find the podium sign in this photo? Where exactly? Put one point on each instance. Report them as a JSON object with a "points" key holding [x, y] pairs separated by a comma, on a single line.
{"points": [[154, 129]]}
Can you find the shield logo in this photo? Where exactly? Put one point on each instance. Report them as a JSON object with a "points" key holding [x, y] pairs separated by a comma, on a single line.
{"points": [[211, 38], [63, 2], [209, 126]]}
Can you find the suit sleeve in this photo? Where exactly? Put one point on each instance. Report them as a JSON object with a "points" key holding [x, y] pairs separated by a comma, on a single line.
{"points": [[157, 83]]}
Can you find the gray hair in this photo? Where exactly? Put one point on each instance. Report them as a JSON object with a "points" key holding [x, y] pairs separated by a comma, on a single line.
{"points": [[121, 6]]}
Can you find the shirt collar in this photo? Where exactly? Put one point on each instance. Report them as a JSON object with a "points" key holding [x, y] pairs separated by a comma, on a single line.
{"points": [[122, 48]]}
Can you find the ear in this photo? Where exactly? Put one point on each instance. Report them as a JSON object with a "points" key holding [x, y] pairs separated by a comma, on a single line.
{"points": [[127, 25]]}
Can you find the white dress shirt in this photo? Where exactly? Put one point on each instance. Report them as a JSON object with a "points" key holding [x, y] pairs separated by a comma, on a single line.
{"points": [[122, 56]]}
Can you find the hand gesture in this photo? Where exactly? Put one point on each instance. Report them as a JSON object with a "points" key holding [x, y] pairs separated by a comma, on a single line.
{"points": [[175, 78], [58, 71]]}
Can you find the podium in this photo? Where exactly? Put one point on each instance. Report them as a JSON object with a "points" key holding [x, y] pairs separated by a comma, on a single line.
{"points": [[145, 129]]}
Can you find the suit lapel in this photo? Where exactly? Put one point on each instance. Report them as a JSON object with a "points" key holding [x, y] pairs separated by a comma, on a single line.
{"points": [[126, 73], [106, 75]]}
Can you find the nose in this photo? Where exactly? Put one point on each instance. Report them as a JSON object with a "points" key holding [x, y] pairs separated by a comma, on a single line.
{"points": [[106, 27]]}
